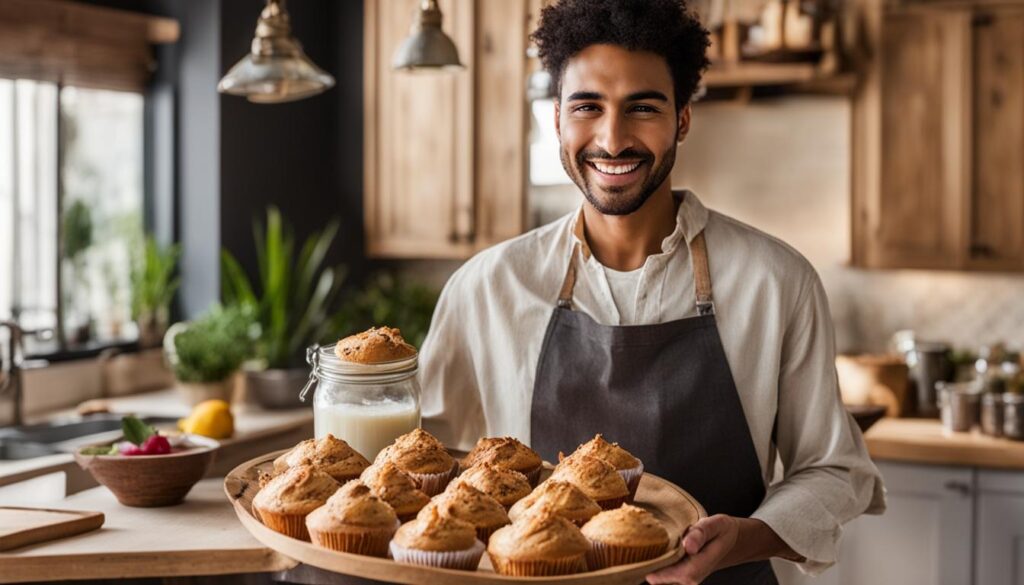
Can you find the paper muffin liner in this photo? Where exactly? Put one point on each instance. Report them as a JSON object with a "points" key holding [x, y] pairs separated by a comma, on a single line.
{"points": [[368, 542], [539, 568], [463, 560], [434, 483], [484, 532], [632, 478], [533, 475], [293, 525], [602, 555], [612, 503]]}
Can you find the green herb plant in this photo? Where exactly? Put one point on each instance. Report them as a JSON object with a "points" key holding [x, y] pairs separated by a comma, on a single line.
{"points": [[213, 347], [296, 297]]}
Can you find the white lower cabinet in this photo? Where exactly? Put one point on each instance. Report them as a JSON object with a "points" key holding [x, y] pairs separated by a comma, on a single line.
{"points": [[1000, 544], [924, 538]]}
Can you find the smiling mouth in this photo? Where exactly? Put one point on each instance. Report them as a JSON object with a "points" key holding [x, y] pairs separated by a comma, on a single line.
{"points": [[616, 169]]}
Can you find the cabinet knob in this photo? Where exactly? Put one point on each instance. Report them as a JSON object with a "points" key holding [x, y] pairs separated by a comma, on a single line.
{"points": [[982, 251], [960, 487]]}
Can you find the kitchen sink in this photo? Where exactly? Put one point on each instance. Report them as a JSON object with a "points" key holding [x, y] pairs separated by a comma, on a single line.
{"points": [[29, 441]]}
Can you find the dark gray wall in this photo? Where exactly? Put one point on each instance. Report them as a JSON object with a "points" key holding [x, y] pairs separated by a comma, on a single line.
{"points": [[215, 162]]}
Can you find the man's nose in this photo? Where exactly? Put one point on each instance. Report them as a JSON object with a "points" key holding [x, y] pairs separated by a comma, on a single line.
{"points": [[614, 135]]}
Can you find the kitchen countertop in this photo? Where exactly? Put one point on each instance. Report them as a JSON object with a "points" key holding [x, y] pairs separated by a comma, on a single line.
{"points": [[924, 441], [254, 427], [202, 536]]}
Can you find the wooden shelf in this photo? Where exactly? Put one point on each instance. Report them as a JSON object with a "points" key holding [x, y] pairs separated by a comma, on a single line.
{"points": [[799, 77]]}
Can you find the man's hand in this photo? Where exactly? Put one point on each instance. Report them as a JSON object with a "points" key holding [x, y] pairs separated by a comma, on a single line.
{"points": [[718, 542], [706, 544]]}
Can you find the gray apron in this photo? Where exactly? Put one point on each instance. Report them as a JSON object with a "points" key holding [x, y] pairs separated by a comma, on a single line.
{"points": [[664, 391]]}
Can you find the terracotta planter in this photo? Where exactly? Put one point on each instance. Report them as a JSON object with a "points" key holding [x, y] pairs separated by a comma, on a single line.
{"points": [[196, 392], [277, 388]]}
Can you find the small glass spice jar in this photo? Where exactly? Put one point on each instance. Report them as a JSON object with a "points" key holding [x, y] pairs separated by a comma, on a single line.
{"points": [[1013, 416], [367, 405], [992, 411]]}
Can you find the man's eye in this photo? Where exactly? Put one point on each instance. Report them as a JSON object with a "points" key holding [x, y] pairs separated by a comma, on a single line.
{"points": [[585, 108], [644, 109]]}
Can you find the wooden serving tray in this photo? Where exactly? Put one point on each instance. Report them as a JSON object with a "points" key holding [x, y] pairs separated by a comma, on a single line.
{"points": [[675, 508], [23, 526]]}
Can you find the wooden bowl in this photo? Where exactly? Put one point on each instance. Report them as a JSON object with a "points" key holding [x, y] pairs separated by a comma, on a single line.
{"points": [[147, 481]]}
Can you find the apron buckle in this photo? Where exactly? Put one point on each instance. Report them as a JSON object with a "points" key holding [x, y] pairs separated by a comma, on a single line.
{"points": [[706, 308]]}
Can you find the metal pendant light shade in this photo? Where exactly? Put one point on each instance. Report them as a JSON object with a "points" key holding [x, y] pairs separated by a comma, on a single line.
{"points": [[276, 69], [427, 47]]}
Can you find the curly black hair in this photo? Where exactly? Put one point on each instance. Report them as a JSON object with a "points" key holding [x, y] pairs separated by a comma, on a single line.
{"points": [[663, 27]]}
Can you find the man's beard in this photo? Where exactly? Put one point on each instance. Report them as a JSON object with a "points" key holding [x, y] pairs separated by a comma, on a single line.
{"points": [[623, 202]]}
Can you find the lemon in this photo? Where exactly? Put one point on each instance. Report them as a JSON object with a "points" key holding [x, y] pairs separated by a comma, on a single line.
{"points": [[211, 418]]}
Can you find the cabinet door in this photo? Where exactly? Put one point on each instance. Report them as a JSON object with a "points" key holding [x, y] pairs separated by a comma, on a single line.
{"points": [[911, 141], [924, 538], [997, 200], [418, 187], [1000, 543]]}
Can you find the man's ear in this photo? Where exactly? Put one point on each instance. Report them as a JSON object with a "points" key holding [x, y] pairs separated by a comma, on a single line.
{"points": [[558, 119], [684, 123]]}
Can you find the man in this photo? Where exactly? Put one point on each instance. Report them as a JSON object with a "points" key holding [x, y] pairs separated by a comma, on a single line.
{"points": [[700, 344]]}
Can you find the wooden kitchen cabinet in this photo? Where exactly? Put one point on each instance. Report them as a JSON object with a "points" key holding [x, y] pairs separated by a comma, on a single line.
{"points": [[938, 138], [445, 152]]}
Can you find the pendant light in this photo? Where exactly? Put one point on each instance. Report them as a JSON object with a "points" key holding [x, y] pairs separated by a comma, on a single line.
{"points": [[427, 47], [276, 69]]}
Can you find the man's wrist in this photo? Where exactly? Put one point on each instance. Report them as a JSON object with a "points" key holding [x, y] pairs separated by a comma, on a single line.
{"points": [[756, 541]]}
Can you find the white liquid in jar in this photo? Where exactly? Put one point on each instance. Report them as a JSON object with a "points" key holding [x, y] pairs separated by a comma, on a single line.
{"points": [[366, 428]]}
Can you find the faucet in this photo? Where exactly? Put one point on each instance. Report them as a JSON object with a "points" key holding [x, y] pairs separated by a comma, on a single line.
{"points": [[11, 382]]}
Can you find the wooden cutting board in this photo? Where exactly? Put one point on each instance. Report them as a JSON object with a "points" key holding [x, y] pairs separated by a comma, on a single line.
{"points": [[23, 526]]}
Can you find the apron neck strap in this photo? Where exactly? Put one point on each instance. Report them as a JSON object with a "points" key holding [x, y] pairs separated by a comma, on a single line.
{"points": [[701, 277]]}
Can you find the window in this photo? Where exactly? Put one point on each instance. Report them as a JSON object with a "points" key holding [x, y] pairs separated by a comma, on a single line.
{"points": [[71, 171]]}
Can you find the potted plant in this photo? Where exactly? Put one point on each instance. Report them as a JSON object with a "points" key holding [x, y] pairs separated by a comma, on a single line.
{"points": [[295, 302], [206, 353], [153, 285]]}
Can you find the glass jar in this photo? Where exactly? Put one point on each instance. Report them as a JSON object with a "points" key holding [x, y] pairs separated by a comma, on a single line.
{"points": [[367, 405]]}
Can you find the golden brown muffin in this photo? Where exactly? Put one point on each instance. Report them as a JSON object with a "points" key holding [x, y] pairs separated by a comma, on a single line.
{"points": [[463, 501], [376, 345], [436, 540], [629, 467], [353, 520], [395, 487], [285, 501], [540, 543], [594, 477], [625, 535], [507, 452], [564, 498], [504, 485], [424, 458], [329, 454]]}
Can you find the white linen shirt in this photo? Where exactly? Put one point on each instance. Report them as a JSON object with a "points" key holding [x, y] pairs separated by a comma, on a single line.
{"points": [[479, 360]]}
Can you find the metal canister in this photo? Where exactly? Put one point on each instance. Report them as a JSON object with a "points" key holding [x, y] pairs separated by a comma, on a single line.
{"points": [[929, 364], [959, 405], [1013, 416], [992, 410]]}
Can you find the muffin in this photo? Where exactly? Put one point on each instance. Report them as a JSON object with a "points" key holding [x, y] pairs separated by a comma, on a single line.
{"points": [[564, 498], [594, 477], [285, 501], [374, 346], [504, 485], [392, 485], [629, 467], [540, 543], [423, 458], [436, 540], [623, 536], [463, 501], [506, 452], [354, 521], [329, 454]]}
